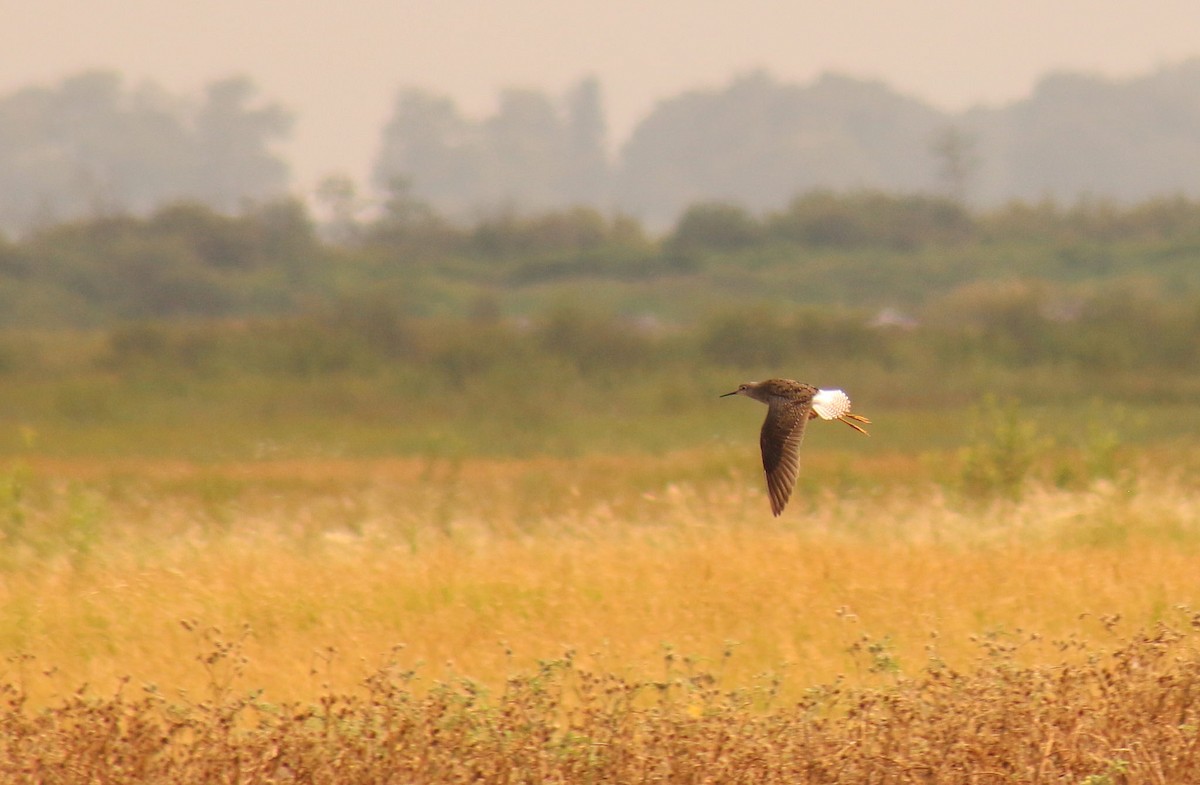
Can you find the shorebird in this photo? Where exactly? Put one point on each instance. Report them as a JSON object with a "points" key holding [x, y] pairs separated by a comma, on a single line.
{"points": [[790, 405]]}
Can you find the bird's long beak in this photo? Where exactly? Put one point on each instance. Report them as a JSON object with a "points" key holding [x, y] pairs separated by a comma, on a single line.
{"points": [[726, 395]]}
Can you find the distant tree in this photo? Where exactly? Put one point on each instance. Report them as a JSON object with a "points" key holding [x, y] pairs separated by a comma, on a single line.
{"points": [[402, 207], [1086, 135], [184, 259], [215, 239], [409, 226], [433, 148], [870, 219], [285, 234], [525, 150], [576, 229], [85, 148], [532, 154], [337, 196], [758, 142], [585, 168], [91, 146], [954, 150], [715, 226], [277, 234], [232, 137]]}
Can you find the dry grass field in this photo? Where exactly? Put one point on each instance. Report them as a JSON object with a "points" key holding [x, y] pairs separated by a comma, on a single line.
{"points": [[461, 504], [605, 618]]}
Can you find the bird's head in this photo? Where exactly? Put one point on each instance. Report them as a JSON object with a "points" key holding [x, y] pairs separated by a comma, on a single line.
{"points": [[759, 391]]}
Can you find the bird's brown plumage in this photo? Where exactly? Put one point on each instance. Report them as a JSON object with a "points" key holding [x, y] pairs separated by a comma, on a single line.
{"points": [[780, 438], [789, 408]]}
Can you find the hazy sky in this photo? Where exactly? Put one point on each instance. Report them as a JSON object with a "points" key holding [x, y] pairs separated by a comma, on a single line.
{"points": [[338, 65]]}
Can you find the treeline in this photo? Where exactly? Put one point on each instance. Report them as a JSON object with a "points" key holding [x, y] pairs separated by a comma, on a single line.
{"points": [[758, 140], [535, 151], [92, 144], [873, 219], [863, 250], [183, 260]]}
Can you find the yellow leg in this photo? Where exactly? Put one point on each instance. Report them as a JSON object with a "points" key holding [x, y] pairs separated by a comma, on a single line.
{"points": [[848, 419]]}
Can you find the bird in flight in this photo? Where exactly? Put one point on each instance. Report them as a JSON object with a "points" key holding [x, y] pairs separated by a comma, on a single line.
{"points": [[790, 405]]}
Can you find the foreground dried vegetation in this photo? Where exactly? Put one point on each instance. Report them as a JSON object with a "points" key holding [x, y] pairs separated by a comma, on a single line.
{"points": [[1128, 714]]}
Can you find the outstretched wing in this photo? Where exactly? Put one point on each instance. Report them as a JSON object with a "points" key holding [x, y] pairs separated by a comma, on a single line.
{"points": [[782, 432]]}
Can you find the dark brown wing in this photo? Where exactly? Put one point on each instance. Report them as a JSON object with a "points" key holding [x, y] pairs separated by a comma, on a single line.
{"points": [[782, 432]]}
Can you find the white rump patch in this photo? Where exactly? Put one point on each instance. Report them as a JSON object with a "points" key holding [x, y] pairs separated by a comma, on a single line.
{"points": [[831, 404]]}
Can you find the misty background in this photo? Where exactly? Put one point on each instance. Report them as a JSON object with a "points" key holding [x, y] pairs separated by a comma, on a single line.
{"points": [[96, 143]]}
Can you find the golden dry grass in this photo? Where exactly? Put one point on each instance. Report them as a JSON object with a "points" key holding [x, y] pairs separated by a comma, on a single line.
{"points": [[303, 581], [611, 557]]}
